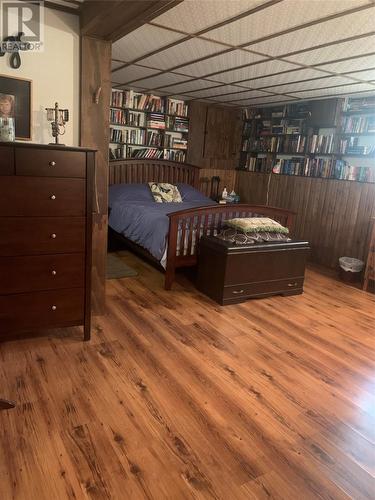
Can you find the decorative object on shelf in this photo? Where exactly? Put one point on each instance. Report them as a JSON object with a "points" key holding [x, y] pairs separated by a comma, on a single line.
{"points": [[7, 126], [58, 118], [13, 45], [215, 183], [20, 90]]}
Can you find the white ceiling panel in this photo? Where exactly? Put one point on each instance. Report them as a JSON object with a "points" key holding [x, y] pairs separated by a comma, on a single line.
{"points": [[191, 86], [132, 72], [367, 75], [329, 31], [291, 76], [249, 94], [182, 53], [161, 80], [350, 64], [220, 63], [279, 17], [361, 46], [312, 84], [193, 16], [347, 89], [223, 89], [260, 69], [116, 64], [142, 41], [266, 100]]}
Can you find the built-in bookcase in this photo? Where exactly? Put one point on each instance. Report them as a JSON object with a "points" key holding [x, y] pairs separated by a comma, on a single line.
{"points": [[147, 126], [286, 140]]}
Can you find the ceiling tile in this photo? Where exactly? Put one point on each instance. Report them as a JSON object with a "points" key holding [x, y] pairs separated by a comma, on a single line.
{"points": [[223, 89], [132, 72], [265, 100], [248, 94], [347, 89], [142, 41], [361, 46], [191, 86], [161, 80], [279, 17], [116, 64], [290, 76], [260, 69], [193, 16], [367, 75], [350, 64], [310, 84], [220, 63], [326, 32], [184, 52]]}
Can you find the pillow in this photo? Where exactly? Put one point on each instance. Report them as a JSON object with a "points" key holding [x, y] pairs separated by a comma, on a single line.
{"points": [[129, 192], [165, 193], [257, 225], [189, 193]]}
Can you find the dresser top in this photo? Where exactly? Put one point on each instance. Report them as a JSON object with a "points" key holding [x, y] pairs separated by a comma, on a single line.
{"points": [[32, 145]]}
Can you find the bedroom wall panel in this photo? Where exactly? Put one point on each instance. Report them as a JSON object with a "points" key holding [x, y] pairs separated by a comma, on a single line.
{"points": [[333, 215]]}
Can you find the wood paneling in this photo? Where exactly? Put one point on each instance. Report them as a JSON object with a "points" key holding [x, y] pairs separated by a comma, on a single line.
{"points": [[333, 215], [178, 398], [214, 143], [95, 74]]}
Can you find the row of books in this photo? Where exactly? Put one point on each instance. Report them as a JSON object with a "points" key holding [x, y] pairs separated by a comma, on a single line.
{"points": [[324, 168], [288, 144], [290, 110], [320, 144], [123, 152], [358, 124], [174, 142], [156, 120], [254, 164], [351, 145], [177, 124], [359, 104], [177, 107], [133, 136]]}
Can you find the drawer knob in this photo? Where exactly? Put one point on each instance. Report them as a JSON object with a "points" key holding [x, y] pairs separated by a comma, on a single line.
{"points": [[53, 236], [54, 308], [238, 291], [53, 273], [53, 197], [52, 163], [293, 284]]}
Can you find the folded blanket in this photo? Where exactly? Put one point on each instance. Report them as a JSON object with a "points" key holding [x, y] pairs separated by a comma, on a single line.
{"points": [[257, 225]]}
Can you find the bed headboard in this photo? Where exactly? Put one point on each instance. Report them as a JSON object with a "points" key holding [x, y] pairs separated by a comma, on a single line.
{"points": [[148, 170]]}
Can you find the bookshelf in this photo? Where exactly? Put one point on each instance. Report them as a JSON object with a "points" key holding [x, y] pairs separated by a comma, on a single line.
{"points": [[284, 140], [147, 126]]}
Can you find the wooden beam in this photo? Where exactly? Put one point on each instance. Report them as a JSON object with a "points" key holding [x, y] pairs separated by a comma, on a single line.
{"points": [[94, 132], [111, 20]]}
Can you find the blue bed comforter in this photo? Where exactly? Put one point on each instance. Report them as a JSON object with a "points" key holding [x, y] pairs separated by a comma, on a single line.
{"points": [[146, 222]]}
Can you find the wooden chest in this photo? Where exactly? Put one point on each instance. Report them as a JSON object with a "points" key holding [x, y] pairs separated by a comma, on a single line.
{"points": [[230, 273], [45, 245]]}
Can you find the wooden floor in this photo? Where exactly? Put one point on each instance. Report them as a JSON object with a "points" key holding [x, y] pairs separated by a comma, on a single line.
{"points": [[176, 397]]}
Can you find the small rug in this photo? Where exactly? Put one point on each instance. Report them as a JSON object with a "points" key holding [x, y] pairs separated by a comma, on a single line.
{"points": [[116, 267]]}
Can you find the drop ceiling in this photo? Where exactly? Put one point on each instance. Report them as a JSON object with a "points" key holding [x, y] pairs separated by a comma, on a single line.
{"points": [[252, 52]]}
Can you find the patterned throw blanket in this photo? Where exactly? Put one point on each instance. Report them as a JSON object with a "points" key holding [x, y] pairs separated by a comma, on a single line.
{"points": [[253, 230]]}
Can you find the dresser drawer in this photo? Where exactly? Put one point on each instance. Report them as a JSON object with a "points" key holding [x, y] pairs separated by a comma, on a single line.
{"points": [[30, 196], [41, 272], [41, 309], [50, 163], [6, 160], [41, 235], [260, 288]]}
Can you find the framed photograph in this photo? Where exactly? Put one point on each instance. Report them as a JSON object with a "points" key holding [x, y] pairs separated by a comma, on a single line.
{"points": [[15, 102]]}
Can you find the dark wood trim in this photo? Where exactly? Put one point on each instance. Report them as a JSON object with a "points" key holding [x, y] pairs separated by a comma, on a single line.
{"points": [[90, 186]]}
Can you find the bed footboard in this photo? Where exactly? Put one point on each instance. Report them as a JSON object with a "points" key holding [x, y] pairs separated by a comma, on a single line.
{"points": [[187, 226]]}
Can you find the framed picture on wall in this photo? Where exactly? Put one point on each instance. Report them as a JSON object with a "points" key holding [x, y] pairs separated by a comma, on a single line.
{"points": [[15, 101]]}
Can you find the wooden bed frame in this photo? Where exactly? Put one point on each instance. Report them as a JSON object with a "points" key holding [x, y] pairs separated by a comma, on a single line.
{"points": [[209, 219]]}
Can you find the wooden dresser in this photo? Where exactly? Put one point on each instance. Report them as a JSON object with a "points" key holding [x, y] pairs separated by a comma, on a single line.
{"points": [[230, 273], [46, 197]]}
